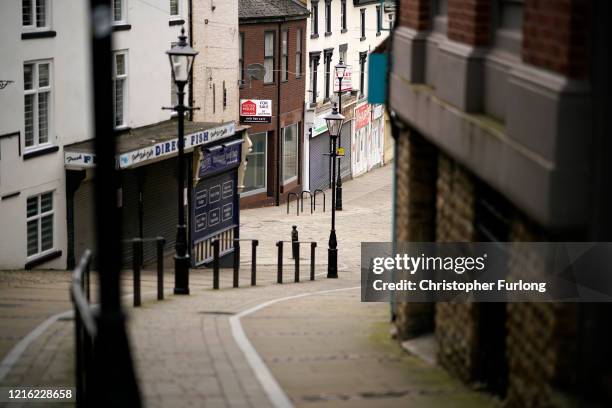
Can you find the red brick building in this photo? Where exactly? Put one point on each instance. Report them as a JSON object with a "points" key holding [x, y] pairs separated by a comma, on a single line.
{"points": [[272, 33], [502, 135]]}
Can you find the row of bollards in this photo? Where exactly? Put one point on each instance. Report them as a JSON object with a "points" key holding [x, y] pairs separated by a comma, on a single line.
{"points": [[295, 248]]}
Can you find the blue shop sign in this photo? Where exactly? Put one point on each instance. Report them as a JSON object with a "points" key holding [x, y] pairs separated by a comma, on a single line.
{"points": [[220, 158], [214, 205]]}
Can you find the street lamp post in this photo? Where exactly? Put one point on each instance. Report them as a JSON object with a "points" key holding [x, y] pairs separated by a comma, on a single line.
{"points": [[181, 61], [340, 70], [334, 125]]}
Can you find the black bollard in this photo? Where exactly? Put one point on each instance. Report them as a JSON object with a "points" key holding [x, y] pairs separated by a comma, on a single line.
{"points": [[279, 271], [313, 245], [136, 264], [296, 277], [294, 238], [236, 262], [160, 267], [215, 245], [254, 244]]}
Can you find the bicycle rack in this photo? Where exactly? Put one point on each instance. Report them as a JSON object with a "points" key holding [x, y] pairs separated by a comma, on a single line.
{"points": [[297, 202], [302, 198], [315, 199]]}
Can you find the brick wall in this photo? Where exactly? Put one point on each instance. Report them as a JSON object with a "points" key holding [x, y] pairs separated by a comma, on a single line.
{"points": [[555, 35], [469, 21], [415, 14], [415, 218], [541, 337], [291, 98]]}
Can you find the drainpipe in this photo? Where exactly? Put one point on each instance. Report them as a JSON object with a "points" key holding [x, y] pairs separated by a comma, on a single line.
{"points": [[279, 142]]}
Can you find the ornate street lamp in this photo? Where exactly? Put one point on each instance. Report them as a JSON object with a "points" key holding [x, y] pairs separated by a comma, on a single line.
{"points": [[334, 126], [181, 61], [340, 70]]}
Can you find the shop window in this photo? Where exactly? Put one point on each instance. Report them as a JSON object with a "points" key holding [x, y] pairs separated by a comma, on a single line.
{"points": [[255, 175], [290, 153]]}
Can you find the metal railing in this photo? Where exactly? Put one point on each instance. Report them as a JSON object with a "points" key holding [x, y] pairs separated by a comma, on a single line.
{"points": [[297, 202], [236, 262], [85, 327], [296, 249], [137, 260]]}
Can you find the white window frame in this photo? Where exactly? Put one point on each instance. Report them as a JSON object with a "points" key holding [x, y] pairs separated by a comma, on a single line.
{"points": [[38, 218], [34, 26], [297, 154], [123, 19], [265, 168], [36, 91], [125, 78], [179, 9]]}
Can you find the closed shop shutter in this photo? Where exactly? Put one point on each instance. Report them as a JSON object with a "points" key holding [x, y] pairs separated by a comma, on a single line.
{"points": [[129, 212], [160, 216], [345, 162], [84, 232], [319, 162]]}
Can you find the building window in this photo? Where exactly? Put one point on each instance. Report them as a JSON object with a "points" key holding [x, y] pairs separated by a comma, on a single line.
{"points": [[120, 88], [362, 24], [298, 53], [37, 103], [39, 224], [290, 153], [269, 57], [314, 18], [343, 16], [508, 20], [241, 58], [224, 96], [174, 8], [284, 55], [362, 64], [327, 58], [378, 20], [119, 11], [35, 14], [314, 64], [328, 17], [342, 51], [255, 175]]}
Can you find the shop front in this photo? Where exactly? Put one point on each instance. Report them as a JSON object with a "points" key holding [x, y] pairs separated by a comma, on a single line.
{"points": [[367, 145], [147, 186]]}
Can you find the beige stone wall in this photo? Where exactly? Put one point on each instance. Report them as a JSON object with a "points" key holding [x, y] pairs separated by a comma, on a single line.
{"points": [[456, 324], [215, 37], [415, 218]]}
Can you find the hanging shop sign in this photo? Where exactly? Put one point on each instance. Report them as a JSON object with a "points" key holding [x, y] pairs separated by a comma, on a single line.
{"points": [[347, 80], [79, 159], [362, 116], [220, 158], [255, 111]]}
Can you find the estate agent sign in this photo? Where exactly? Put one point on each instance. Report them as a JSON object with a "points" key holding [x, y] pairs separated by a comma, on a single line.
{"points": [[255, 111]]}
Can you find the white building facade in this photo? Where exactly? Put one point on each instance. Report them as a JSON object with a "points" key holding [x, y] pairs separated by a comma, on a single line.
{"points": [[46, 108], [346, 30], [216, 77]]}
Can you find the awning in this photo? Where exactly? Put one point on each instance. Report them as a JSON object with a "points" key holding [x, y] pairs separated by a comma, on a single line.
{"points": [[140, 146]]}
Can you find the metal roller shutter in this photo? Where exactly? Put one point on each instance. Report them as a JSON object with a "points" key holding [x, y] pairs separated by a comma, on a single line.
{"points": [[129, 213], [345, 162], [84, 228], [319, 162], [160, 216]]}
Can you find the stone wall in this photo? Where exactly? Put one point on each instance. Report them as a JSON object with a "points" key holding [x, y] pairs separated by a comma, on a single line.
{"points": [[456, 324], [415, 218]]}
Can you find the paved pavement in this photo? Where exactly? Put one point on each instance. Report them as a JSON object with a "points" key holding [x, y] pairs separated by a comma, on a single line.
{"points": [[307, 344]]}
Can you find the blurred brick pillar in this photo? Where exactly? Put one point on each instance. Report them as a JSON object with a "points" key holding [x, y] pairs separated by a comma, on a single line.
{"points": [[469, 21], [415, 218]]}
